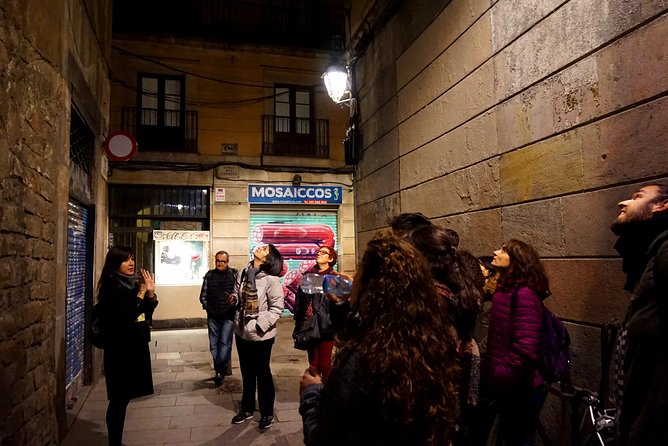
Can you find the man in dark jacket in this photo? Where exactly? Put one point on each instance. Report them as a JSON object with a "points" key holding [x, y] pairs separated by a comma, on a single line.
{"points": [[642, 227], [218, 302]]}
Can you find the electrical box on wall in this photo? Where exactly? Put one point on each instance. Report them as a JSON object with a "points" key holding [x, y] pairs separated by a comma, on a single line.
{"points": [[352, 145]]}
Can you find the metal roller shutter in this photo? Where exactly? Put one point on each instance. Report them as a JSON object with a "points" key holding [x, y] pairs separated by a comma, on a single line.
{"points": [[297, 236], [77, 223]]}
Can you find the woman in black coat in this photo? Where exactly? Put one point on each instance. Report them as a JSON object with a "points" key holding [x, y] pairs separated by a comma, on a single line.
{"points": [[126, 304]]}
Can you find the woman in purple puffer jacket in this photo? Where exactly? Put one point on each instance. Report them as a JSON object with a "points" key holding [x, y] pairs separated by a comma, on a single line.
{"points": [[515, 323]]}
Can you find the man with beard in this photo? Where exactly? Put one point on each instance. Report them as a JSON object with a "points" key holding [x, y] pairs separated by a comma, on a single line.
{"points": [[642, 227]]}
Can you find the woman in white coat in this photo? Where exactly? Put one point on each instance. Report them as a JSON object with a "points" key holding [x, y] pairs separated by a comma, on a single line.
{"points": [[260, 300]]}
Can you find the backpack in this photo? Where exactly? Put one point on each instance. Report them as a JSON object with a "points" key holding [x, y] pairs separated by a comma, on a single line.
{"points": [[554, 356]]}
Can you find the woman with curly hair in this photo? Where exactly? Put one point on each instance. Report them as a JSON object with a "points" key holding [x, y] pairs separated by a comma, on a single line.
{"points": [[515, 324], [395, 376], [459, 281]]}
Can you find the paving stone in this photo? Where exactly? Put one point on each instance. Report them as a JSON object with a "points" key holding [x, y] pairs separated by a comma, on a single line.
{"points": [[188, 409]]}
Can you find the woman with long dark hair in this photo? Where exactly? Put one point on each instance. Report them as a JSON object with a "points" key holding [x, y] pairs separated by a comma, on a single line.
{"points": [[126, 300], [459, 282], [515, 325], [260, 299], [395, 375]]}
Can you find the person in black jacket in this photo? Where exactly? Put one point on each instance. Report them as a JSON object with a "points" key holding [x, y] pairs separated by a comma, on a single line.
{"points": [[127, 301], [642, 227], [395, 376], [218, 302]]}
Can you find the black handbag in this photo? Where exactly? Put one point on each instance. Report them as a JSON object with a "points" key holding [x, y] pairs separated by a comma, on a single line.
{"points": [[307, 334], [96, 329]]}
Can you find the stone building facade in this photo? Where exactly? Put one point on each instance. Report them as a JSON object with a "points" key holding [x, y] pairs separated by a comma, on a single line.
{"points": [[498, 118], [516, 119], [53, 64]]}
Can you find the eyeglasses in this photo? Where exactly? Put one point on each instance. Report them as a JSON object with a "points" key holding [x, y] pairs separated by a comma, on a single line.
{"points": [[322, 251], [222, 261]]}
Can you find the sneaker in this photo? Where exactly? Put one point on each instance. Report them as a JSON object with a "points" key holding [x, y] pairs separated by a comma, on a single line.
{"points": [[266, 422], [241, 417], [218, 379]]}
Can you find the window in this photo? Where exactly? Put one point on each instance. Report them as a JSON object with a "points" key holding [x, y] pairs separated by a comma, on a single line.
{"points": [[135, 211], [161, 100], [292, 108], [162, 122]]}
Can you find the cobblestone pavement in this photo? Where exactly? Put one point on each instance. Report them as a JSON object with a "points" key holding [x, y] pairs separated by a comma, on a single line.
{"points": [[187, 408]]}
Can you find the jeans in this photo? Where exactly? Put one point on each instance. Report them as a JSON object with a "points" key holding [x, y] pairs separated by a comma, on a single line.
{"points": [[254, 357], [220, 343]]}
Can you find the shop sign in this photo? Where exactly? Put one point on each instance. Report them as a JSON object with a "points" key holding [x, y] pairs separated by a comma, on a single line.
{"points": [[274, 194], [181, 235]]}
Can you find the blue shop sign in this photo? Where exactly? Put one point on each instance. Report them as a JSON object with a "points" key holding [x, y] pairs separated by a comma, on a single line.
{"points": [[273, 194]]}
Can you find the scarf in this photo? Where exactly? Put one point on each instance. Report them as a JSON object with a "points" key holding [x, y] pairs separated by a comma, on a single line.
{"points": [[128, 282], [250, 304], [635, 237]]}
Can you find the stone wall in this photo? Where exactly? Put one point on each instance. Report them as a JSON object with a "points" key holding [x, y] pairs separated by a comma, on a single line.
{"points": [[36, 84], [518, 119], [32, 162]]}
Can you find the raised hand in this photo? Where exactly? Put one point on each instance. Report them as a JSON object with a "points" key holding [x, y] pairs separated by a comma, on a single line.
{"points": [[148, 281]]}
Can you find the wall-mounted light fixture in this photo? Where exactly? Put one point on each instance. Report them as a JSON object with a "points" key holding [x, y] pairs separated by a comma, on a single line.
{"points": [[337, 83], [340, 86], [337, 77]]}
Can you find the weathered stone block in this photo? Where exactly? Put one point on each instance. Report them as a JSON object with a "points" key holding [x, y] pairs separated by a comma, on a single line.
{"points": [[379, 184], [445, 29], [587, 218], [464, 55], [573, 30], [377, 214], [380, 153], [479, 232], [627, 146], [539, 224], [586, 289], [465, 190], [34, 225], [634, 67], [469, 98], [462, 147], [378, 122], [586, 357], [512, 19], [550, 168]]}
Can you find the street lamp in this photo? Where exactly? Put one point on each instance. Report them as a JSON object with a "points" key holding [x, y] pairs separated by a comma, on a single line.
{"points": [[337, 82]]}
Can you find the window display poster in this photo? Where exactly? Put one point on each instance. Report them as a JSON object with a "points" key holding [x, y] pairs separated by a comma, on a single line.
{"points": [[297, 236], [181, 257]]}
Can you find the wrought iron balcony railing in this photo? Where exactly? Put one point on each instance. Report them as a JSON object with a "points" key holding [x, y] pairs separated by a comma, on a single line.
{"points": [[295, 136], [161, 131]]}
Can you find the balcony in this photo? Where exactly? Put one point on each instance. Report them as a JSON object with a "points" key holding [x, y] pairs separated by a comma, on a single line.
{"points": [[285, 136], [161, 131]]}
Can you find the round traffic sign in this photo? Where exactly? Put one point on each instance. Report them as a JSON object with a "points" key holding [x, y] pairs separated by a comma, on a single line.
{"points": [[120, 146]]}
